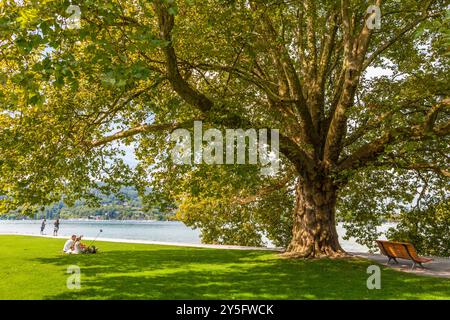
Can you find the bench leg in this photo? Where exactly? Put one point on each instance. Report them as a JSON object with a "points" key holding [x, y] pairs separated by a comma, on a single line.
{"points": [[391, 258], [415, 265]]}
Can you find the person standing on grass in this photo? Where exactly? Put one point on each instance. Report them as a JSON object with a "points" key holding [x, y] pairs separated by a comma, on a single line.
{"points": [[55, 230], [43, 226]]}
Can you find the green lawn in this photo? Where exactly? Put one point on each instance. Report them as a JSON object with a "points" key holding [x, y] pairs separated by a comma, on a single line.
{"points": [[34, 268]]}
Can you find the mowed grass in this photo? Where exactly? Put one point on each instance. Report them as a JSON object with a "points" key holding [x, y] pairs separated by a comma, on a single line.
{"points": [[35, 268]]}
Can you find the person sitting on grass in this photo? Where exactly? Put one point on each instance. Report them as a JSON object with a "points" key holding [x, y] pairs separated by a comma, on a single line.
{"points": [[69, 244], [77, 247]]}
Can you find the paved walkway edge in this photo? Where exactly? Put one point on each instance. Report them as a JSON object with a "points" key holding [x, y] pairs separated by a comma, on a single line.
{"points": [[439, 267], [177, 244]]}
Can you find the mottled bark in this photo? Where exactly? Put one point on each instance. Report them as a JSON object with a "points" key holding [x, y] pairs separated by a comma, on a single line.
{"points": [[314, 232]]}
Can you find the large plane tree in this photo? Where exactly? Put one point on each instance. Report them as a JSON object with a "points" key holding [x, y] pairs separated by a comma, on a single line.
{"points": [[133, 71]]}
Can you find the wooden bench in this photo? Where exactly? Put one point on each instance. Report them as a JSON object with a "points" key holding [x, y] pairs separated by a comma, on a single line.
{"points": [[402, 250]]}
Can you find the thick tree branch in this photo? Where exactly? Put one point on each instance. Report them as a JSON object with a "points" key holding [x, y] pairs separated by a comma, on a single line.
{"points": [[180, 85], [287, 146], [145, 128], [369, 152], [288, 72], [355, 49], [301, 161]]}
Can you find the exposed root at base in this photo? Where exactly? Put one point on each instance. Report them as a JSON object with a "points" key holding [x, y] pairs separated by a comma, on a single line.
{"points": [[314, 255]]}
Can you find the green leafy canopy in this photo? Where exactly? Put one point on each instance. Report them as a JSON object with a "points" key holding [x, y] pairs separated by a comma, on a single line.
{"points": [[135, 70]]}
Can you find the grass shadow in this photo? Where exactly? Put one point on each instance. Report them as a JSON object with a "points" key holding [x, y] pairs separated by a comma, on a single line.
{"points": [[188, 273]]}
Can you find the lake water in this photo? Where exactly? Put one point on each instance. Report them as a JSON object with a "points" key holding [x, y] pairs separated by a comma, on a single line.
{"points": [[161, 231]]}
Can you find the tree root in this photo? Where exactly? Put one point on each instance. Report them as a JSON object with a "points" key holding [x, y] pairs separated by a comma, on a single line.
{"points": [[310, 254]]}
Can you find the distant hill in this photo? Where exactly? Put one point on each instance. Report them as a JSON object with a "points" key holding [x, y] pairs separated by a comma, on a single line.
{"points": [[126, 207]]}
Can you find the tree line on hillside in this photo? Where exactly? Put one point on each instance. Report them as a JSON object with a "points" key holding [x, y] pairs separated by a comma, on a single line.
{"points": [[126, 205]]}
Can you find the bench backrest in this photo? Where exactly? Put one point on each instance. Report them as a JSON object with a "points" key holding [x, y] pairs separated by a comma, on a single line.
{"points": [[402, 250], [412, 251]]}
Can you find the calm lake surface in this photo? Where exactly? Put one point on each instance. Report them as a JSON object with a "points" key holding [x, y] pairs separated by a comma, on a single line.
{"points": [[162, 231]]}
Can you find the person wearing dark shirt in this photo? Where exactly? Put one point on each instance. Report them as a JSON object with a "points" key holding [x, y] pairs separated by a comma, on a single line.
{"points": [[55, 230], [43, 226]]}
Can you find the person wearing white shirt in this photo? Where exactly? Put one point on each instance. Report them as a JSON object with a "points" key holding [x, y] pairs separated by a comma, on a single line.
{"points": [[77, 247], [69, 244]]}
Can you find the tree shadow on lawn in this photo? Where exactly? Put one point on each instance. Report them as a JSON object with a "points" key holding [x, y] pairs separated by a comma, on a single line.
{"points": [[225, 274]]}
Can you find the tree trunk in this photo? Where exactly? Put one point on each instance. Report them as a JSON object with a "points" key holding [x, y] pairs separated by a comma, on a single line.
{"points": [[314, 232]]}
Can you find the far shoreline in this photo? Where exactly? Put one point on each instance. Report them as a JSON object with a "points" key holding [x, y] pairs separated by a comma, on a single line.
{"points": [[90, 220]]}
